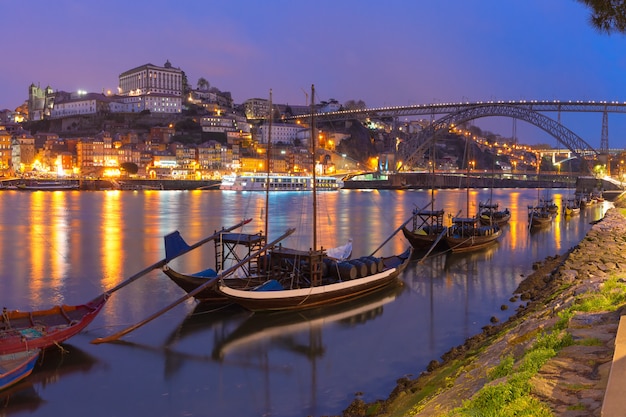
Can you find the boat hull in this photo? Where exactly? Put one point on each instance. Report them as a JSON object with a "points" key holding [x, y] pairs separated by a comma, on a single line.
{"points": [[210, 294], [329, 294], [473, 242], [14, 367], [424, 240], [499, 218], [45, 328]]}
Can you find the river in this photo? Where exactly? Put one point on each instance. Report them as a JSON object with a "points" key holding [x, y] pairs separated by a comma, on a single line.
{"points": [[69, 246]]}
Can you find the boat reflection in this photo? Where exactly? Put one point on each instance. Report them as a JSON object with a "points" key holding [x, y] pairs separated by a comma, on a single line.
{"points": [[282, 328], [51, 367]]}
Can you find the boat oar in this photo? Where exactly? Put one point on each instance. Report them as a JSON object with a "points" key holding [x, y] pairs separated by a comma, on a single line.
{"points": [[397, 230], [174, 253], [190, 294]]}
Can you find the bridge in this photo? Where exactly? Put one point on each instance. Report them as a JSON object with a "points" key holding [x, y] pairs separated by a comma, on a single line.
{"points": [[531, 111]]}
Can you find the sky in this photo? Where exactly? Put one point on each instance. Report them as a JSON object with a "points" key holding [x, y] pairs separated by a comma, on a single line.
{"points": [[386, 53]]}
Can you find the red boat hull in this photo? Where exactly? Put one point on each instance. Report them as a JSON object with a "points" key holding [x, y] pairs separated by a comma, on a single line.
{"points": [[42, 329]]}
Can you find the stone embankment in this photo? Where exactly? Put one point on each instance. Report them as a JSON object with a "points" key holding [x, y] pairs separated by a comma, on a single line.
{"points": [[571, 384]]}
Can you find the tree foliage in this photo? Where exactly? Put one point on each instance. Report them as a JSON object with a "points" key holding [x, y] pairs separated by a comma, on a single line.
{"points": [[203, 84], [607, 16], [130, 167], [354, 105]]}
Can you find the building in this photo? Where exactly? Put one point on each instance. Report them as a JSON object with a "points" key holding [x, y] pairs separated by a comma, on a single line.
{"points": [[212, 155], [153, 88], [22, 151], [83, 104], [281, 132], [5, 151], [224, 123], [40, 102]]}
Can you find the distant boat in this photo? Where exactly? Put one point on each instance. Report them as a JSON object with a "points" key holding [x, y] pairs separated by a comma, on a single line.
{"points": [[466, 234], [539, 216], [488, 214], [571, 207], [427, 229], [48, 186], [258, 182], [14, 367]]}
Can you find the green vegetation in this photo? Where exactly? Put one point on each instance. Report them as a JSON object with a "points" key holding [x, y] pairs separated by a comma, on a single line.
{"points": [[513, 395]]}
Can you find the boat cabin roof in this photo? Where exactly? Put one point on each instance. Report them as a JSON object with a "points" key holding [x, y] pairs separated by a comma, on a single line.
{"points": [[243, 238]]}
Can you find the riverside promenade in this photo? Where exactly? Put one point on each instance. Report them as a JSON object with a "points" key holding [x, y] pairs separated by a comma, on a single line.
{"points": [[573, 383]]}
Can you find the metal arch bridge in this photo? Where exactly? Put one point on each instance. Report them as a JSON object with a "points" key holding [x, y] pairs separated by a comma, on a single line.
{"points": [[457, 113]]}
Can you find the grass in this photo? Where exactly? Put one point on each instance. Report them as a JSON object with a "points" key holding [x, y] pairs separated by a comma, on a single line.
{"points": [[513, 395]]}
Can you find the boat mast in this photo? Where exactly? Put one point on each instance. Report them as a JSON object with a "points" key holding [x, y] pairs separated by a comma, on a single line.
{"points": [[267, 162], [313, 151]]}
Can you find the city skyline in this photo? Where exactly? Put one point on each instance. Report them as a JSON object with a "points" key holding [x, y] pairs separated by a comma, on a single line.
{"points": [[394, 54]]}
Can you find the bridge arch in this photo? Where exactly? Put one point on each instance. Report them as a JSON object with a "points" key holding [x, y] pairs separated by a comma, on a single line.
{"points": [[410, 149]]}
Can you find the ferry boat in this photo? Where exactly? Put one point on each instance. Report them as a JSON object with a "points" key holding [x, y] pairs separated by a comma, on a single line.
{"points": [[48, 186], [256, 182]]}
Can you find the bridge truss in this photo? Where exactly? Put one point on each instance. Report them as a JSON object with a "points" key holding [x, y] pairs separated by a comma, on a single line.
{"points": [[411, 149]]}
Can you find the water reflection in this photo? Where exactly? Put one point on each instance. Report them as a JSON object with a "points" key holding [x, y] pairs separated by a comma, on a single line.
{"points": [[71, 247], [51, 368]]}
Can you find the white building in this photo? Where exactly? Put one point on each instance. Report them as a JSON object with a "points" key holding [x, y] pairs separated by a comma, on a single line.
{"points": [[80, 103], [153, 88], [281, 132]]}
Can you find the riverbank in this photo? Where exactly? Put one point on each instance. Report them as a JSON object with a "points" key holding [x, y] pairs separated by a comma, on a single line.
{"points": [[571, 383]]}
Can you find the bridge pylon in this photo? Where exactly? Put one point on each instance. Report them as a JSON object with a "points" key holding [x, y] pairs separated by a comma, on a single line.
{"points": [[604, 138]]}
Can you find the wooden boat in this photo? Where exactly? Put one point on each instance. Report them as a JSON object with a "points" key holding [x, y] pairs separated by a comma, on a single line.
{"points": [[296, 280], [14, 367], [549, 205], [427, 230], [571, 207], [229, 249], [41, 329], [466, 234], [539, 217], [490, 214]]}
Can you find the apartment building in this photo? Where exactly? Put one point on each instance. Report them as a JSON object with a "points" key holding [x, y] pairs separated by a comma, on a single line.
{"points": [[153, 88]]}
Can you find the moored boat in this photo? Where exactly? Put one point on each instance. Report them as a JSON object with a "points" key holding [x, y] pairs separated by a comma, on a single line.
{"points": [[298, 280], [571, 207], [14, 367], [230, 248], [539, 216], [41, 329], [427, 230], [489, 213], [48, 186], [466, 234]]}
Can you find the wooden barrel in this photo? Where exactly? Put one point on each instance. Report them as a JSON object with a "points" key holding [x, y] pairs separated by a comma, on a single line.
{"points": [[361, 268], [379, 263], [346, 270], [372, 268]]}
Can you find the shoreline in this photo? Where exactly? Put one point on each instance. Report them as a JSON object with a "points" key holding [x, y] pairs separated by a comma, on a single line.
{"points": [[553, 286]]}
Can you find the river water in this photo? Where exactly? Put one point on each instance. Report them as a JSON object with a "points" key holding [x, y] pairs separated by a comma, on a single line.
{"points": [[68, 247]]}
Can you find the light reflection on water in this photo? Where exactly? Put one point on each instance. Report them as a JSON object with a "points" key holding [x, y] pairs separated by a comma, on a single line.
{"points": [[67, 247]]}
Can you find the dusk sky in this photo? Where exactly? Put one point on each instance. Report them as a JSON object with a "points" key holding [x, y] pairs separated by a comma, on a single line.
{"points": [[395, 52]]}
